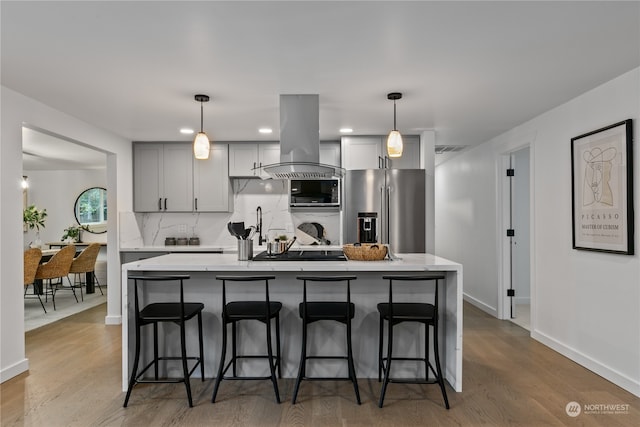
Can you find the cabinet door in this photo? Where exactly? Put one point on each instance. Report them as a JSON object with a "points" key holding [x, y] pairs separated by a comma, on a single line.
{"points": [[361, 152], [147, 169], [177, 178], [211, 181], [242, 159], [410, 158], [330, 153], [268, 154]]}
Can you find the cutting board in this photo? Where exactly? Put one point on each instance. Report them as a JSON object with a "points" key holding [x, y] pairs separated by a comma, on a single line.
{"points": [[311, 233]]}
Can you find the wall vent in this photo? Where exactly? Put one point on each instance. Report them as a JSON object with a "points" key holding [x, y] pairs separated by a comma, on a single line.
{"points": [[442, 149]]}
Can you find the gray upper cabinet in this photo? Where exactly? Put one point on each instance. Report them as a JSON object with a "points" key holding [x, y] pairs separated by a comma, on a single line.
{"points": [[162, 177], [244, 158], [166, 179], [369, 152], [211, 184]]}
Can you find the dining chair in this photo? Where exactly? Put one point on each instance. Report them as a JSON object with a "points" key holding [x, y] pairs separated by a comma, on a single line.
{"points": [[56, 268], [85, 263], [32, 259]]}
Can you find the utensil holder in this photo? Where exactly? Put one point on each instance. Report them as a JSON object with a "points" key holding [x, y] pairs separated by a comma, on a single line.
{"points": [[245, 249]]}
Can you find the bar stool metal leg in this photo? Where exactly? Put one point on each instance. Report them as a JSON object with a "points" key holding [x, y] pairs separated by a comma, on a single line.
{"points": [[221, 365]]}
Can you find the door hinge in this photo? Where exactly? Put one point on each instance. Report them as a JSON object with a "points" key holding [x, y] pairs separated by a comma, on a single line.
{"points": [[511, 232], [511, 292], [511, 172]]}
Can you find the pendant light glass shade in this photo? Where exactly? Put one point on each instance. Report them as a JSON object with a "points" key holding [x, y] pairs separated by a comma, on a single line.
{"points": [[201, 143], [394, 144], [201, 146], [394, 140]]}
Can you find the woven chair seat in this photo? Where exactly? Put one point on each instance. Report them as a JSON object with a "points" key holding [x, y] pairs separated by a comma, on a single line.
{"points": [[32, 259], [86, 261], [58, 266]]}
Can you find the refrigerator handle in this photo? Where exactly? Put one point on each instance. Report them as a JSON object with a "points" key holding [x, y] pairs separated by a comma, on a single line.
{"points": [[388, 214], [382, 205]]}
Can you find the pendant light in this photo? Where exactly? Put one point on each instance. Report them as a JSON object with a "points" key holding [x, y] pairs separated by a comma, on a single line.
{"points": [[394, 140], [201, 142]]}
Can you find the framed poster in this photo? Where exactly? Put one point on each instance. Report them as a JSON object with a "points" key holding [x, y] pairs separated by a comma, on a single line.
{"points": [[602, 189]]}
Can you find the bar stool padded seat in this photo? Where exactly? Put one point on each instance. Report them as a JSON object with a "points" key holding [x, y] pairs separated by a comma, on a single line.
{"points": [[244, 310], [408, 311], [169, 311], [327, 311]]}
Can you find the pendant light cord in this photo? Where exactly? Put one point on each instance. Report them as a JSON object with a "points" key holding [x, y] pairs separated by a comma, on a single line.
{"points": [[394, 115], [202, 113]]}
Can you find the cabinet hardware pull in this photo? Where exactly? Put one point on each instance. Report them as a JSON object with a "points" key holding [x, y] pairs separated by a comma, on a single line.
{"points": [[165, 203], [196, 203], [160, 204]]}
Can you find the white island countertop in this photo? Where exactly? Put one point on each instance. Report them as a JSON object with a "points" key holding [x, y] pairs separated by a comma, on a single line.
{"points": [[229, 262], [369, 289], [227, 249]]}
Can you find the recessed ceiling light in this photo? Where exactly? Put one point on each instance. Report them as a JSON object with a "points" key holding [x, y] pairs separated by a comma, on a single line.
{"points": [[346, 130], [265, 130], [186, 131]]}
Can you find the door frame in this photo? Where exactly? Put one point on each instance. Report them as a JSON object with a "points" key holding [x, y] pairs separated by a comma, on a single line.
{"points": [[503, 209]]}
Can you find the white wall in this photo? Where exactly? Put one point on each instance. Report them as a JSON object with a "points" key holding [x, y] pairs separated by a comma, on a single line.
{"points": [[586, 305], [57, 191], [17, 110]]}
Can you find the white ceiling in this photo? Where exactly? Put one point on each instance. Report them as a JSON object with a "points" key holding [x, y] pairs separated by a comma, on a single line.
{"points": [[44, 151], [468, 70]]}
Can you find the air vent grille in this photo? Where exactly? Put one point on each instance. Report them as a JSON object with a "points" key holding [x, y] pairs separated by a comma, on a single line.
{"points": [[301, 175], [442, 149]]}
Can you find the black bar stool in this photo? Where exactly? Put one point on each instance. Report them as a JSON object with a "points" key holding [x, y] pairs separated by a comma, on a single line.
{"points": [[159, 312], [339, 311], [398, 312], [235, 311]]}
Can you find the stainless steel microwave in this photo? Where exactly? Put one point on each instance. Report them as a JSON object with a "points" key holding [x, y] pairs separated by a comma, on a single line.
{"points": [[314, 193]]}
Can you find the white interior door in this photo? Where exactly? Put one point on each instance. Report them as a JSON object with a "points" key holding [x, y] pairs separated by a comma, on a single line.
{"points": [[520, 242]]}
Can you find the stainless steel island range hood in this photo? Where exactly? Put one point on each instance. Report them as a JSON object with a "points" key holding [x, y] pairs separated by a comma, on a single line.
{"points": [[300, 141]]}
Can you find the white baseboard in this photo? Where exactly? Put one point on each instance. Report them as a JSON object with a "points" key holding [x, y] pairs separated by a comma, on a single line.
{"points": [[14, 370], [113, 320], [482, 306], [619, 379]]}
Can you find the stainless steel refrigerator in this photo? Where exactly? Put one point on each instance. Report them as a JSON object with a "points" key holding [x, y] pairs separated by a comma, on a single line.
{"points": [[398, 198]]}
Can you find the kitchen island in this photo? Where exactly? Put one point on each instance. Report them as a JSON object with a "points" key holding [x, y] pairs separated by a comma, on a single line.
{"points": [[366, 292]]}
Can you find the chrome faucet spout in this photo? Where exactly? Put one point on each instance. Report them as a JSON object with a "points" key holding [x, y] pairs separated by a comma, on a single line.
{"points": [[259, 225]]}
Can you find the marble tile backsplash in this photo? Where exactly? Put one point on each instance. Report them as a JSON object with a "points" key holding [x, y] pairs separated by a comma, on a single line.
{"points": [[248, 194]]}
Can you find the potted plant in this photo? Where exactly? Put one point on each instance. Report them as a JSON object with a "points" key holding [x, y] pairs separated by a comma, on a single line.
{"points": [[33, 218], [74, 233]]}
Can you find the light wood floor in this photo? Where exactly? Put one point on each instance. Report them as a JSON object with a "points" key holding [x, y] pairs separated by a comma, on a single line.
{"points": [[509, 379]]}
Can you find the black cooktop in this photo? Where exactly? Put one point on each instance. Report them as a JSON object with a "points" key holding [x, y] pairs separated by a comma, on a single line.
{"points": [[303, 255]]}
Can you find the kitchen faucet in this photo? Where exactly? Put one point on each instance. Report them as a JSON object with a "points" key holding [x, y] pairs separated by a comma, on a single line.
{"points": [[259, 225]]}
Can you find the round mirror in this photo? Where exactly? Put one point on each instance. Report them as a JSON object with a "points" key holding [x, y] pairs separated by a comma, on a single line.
{"points": [[91, 210]]}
